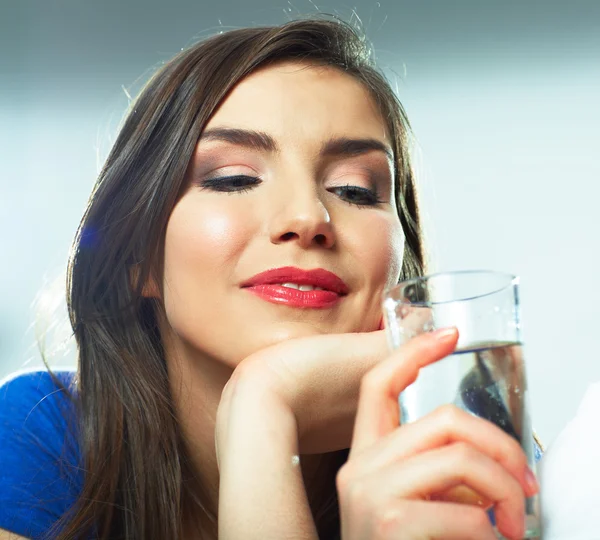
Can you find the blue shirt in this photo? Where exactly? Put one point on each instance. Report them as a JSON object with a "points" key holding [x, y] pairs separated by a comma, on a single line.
{"points": [[40, 469], [40, 476]]}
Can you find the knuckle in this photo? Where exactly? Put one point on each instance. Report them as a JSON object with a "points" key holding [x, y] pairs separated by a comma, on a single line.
{"points": [[349, 486], [449, 415], [369, 384], [369, 380], [343, 479], [244, 369], [357, 492], [388, 520], [463, 452]]}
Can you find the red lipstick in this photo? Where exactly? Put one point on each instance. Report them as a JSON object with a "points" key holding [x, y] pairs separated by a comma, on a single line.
{"points": [[284, 286]]}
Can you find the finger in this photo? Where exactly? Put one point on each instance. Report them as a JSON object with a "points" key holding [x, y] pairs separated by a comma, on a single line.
{"points": [[426, 519], [378, 413], [445, 468], [446, 425]]}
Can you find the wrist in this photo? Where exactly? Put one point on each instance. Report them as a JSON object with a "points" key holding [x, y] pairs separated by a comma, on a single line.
{"points": [[251, 410], [261, 489]]}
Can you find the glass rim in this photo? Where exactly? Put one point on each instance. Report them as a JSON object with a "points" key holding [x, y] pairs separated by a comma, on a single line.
{"points": [[511, 281]]}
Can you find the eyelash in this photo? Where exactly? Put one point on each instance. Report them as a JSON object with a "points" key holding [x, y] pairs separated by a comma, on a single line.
{"points": [[243, 183], [239, 183], [370, 197]]}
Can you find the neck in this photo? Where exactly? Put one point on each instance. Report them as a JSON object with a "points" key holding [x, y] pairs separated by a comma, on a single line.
{"points": [[196, 386]]}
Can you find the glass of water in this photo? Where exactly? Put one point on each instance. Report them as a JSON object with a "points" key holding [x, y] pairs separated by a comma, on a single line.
{"points": [[485, 376]]}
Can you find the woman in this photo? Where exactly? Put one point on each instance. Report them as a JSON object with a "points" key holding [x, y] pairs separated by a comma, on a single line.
{"points": [[224, 291]]}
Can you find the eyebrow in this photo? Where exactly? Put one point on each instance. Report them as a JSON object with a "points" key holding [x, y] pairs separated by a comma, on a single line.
{"points": [[258, 140], [343, 146]]}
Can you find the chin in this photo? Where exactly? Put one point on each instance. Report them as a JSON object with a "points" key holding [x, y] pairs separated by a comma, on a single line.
{"points": [[280, 332], [285, 331]]}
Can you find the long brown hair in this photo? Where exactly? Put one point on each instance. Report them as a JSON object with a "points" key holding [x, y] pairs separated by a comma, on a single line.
{"points": [[137, 477]]}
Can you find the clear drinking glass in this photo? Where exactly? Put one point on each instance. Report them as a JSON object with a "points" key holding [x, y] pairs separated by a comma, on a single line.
{"points": [[485, 376]]}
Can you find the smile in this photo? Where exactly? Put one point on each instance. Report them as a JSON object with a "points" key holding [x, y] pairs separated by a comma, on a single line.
{"points": [[302, 287], [294, 287]]}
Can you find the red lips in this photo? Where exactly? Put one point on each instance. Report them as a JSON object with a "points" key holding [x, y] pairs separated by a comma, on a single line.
{"points": [[269, 286]]}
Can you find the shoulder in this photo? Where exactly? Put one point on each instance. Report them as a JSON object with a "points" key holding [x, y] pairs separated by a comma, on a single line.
{"points": [[40, 473], [19, 388], [33, 405]]}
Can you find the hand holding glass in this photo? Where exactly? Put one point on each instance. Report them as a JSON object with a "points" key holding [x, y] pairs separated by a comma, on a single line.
{"points": [[486, 374]]}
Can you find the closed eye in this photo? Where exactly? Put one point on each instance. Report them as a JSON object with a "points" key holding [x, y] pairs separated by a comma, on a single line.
{"points": [[357, 195], [238, 183]]}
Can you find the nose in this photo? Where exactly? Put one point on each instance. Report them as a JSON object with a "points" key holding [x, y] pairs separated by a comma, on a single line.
{"points": [[303, 218]]}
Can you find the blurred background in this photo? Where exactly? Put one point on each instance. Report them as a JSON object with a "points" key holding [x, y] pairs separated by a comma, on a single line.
{"points": [[504, 101]]}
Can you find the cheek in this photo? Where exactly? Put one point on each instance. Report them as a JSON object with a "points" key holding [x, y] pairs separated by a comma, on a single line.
{"points": [[381, 249], [202, 243]]}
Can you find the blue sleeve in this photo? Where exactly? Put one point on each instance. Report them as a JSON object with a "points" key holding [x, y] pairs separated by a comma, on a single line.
{"points": [[40, 477]]}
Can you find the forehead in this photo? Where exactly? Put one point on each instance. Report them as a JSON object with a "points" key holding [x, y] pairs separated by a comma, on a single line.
{"points": [[302, 100]]}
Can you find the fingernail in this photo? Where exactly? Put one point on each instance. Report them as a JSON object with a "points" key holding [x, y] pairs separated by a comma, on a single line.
{"points": [[532, 484], [445, 334]]}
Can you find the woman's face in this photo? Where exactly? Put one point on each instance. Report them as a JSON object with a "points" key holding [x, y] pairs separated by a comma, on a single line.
{"points": [[294, 175]]}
